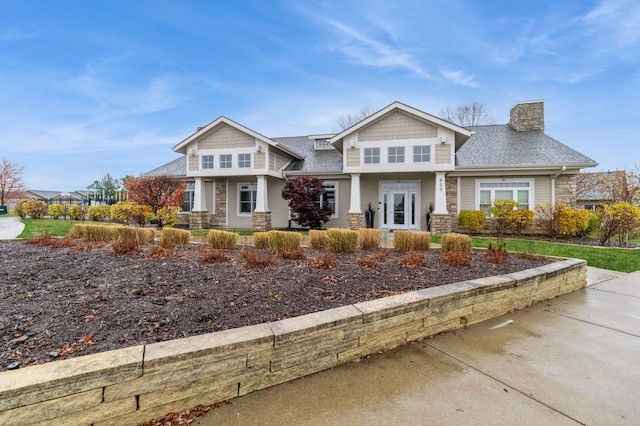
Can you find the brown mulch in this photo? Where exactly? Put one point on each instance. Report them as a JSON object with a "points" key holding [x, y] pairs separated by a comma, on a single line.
{"points": [[61, 302]]}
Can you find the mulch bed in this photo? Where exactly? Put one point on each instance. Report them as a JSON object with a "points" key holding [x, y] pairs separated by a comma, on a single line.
{"points": [[61, 302]]}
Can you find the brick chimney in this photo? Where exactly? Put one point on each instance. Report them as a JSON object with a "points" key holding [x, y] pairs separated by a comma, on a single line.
{"points": [[527, 116]]}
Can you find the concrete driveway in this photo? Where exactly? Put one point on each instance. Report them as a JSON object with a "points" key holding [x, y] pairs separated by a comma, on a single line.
{"points": [[10, 227], [569, 360]]}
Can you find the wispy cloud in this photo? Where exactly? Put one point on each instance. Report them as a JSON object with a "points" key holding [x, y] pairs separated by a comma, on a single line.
{"points": [[459, 77], [614, 24]]}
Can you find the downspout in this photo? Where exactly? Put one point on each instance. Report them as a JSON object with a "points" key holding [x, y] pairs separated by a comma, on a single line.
{"points": [[553, 185]]}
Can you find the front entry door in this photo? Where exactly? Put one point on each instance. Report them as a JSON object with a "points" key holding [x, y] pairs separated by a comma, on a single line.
{"points": [[399, 210], [399, 205]]}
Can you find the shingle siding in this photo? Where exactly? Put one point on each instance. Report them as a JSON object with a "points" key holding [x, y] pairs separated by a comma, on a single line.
{"points": [[397, 126]]}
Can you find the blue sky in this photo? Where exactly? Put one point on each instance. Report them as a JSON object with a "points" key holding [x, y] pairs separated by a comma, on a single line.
{"points": [[95, 87]]}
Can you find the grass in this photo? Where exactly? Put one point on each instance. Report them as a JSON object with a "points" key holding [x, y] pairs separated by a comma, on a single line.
{"points": [[36, 227]]}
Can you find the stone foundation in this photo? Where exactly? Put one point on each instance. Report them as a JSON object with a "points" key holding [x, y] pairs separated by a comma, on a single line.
{"points": [[261, 221], [441, 223], [199, 220], [355, 220]]}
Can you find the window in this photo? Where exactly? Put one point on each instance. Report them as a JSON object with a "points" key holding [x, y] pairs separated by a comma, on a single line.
{"points": [[225, 161], [422, 154], [244, 161], [517, 191], [330, 189], [207, 161], [323, 144], [371, 155], [189, 193], [396, 154], [246, 198]]}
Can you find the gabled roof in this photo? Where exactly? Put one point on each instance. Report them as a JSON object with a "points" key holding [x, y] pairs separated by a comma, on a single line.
{"points": [[182, 146], [325, 160], [462, 134], [500, 146]]}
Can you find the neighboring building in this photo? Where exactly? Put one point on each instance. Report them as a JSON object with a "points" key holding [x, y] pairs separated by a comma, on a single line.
{"points": [[55, 197], [402, 161], [595, 189]]}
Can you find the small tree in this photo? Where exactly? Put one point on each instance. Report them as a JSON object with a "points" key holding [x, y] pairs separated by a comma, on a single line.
{"points": [[11, 184], [472, 114], [617, 219], [501, 211], [304, 194], [156, 192], [346, 121]]}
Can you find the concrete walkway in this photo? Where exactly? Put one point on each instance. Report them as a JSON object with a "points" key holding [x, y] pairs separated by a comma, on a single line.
{"points": [[570, 360], [10, 227]]}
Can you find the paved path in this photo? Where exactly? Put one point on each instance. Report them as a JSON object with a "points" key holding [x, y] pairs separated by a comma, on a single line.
{"points": [[10, 227], [566, 361]]}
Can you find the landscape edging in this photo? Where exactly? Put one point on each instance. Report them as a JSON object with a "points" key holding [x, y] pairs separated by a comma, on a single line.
{"points": [[137, 384]]}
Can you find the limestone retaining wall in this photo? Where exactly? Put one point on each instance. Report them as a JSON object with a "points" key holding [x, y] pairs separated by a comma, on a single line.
{"points": [[137, 384]]}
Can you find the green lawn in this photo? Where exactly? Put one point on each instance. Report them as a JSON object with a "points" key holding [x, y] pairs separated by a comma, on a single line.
{"points": [[622, 260]]}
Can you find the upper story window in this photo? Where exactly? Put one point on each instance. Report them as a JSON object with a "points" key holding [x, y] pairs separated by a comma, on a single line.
{"points": [[207, 161], [396, 154], [322, 144], [422, 154], [244, 161], [371, 155], [519, 191], [225, 161]]}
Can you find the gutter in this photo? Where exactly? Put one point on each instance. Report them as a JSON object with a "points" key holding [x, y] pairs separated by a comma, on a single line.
{"points": [[553, 185]]}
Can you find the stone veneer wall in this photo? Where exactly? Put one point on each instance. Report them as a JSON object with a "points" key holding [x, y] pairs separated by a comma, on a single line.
{"points": [[355, 220], [261, 221], [565, 187], [527, 116], [137, 384], [199, 220]]}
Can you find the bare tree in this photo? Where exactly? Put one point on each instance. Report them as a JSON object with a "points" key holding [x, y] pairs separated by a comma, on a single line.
{"points": [[473, 114], [11, 184], [346, 121], [618, 186]]}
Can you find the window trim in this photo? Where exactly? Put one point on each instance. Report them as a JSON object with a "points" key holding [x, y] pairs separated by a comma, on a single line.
{"points": [[336, 207], [206, 160], [240, 164], [505, 185], [253, 188], [422, 153], [370, 153], [398, 156], [225, 161]]}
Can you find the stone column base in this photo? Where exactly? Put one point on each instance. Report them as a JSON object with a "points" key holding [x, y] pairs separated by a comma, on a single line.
{"points": [[440, 223], [199, 220], [261, 221], [355, 220]]}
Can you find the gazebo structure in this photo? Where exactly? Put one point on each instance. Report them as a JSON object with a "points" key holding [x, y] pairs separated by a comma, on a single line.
{"points": [[95, 193]]}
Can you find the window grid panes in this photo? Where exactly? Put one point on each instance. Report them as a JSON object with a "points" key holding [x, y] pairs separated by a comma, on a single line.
{"points": [[207, 161], [247, 198], [396, 154], [517, 191], [225, 161], [330, 197], [422, 154], [244, 161], [371, 155]]}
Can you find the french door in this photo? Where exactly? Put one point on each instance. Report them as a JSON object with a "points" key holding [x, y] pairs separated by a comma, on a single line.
{"points": [[399, 205]]}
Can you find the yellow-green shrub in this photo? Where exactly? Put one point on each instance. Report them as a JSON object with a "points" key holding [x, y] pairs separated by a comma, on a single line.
{"points": [[175, 237], [453, 242], [342, 240], [75, 212], [222, 239], [369, 238], [35, 208], [55, 211], [261, 240], [402, 241], [420, 240], [167, 216], [125, 212], [98, 212], [473, 220], [318, 239], [519, 220], [279, 241], [19, 209]]}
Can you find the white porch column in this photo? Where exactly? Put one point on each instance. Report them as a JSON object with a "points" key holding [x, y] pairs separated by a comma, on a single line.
{"points": [[354, 205], [262, 201], [199, 196], [441, 194]]}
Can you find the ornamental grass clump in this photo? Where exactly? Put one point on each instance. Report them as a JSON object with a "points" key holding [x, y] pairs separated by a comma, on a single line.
{"points": [[402, 241], [325, 261], [420, 241], [456, 249], [172, 237], [279, 241], [222, 240], [318, 239], [413, 259], [94, 232], [342, 240], [255, 259], [261, 240], [126, 244], [369, 238], [141, 235]]}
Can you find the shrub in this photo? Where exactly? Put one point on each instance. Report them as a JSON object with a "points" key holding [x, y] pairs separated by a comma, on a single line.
{"points": [[318, 239], [126, 245], [373, 259], [593, 224], [617, 219], [98, 213], [473, 220], [413, 258], [497, 255], [456, 258], [77, 231], [125, 212], [501, 210], [55, 211], [222, 240], [519, 220], [420, 240], [35, 208], [453, 242], [302, 194], [342, 240], [160, 252], [167, 216], [75, 212], [141, 235], [327, 261], [293, 255], [94, 232], [48, 240], [255, 259], [213, 256], [402, 241], [279, 241], [561, 219], [175, 237], [19, 209], [369, 238], [261, 240]]}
